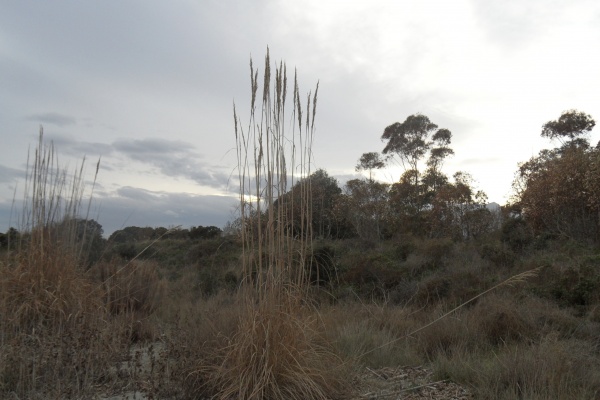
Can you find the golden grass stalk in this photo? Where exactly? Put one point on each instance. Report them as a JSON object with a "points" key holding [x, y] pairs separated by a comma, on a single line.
{"points": [[49, 322], [41, 279], [277, 351], [266, 154]]}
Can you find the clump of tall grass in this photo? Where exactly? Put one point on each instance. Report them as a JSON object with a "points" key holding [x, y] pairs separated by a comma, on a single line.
{"points": [[131, 293], [41, 281], [278, 350], [54, 340]]}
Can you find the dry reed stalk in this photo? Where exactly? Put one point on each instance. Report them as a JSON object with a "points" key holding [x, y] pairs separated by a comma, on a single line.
{"points": [[49, 323], [266, 154], [277, 351], [42, 277]]}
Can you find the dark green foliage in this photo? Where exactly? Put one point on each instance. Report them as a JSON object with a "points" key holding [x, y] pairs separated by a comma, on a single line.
{"points": [[208, 283], [324, 195], [322, 265], [132, 234], [10, 238], [367, 202], [219, 251], [369, 162], [498, 254], [516, 234], [372, 274], [231, 281], [126, 251], [450, 286], [409, 139], [404, 248], [88, 237], [204, 232], [577, 287], [569, 126], [437, 252]]}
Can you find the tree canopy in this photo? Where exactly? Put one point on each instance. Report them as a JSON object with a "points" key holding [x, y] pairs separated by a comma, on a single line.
{"points": [[412, 139], [569, 126], [558, 191]]}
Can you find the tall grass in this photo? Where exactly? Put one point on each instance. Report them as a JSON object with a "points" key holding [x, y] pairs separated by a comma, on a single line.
{"points": [[278, 350], [59, 335], [269, 159]]}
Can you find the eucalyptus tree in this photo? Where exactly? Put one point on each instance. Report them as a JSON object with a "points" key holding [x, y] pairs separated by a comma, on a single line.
{"points": [[369, 162], [570, 126], [413, 139], [558, 191]]}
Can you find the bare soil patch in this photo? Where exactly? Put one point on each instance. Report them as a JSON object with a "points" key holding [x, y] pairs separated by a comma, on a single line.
{"points": [[413, 383]]}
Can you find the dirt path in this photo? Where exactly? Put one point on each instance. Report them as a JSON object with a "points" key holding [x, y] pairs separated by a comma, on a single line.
{"points": [[406, 383]]}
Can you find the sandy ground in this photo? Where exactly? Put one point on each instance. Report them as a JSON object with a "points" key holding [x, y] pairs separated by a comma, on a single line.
{"points": [[407, 383], [412, 383]]}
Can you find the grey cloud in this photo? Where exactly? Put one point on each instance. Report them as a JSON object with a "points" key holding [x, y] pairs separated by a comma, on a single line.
{"points": [[174, 158], [139, 149], [131, 206], [122, 54], [139, 207], [511, 24], [53, 118], [66, 144], [8, 174]]}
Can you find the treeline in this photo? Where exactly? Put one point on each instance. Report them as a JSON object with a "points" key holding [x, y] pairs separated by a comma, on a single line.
{"points": [[92, 231], [424, 202], [137, 234], [555, 194], [87, 237]]}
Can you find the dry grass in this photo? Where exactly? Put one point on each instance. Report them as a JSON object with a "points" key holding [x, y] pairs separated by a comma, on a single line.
{"points": [[54, 340], [547, 369], [58, 337], [277, 350]]}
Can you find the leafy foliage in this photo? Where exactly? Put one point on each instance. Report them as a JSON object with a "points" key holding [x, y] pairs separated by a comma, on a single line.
{"points": [[413, 138], [369, 162], [569, 126], [558, 191], [368, 207], [324, 194]]}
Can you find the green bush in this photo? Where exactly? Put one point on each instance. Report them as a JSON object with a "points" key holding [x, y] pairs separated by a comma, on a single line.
{"points": [[322, 265], [436, 251], [497, 254], [516, 234], [403, 249]]}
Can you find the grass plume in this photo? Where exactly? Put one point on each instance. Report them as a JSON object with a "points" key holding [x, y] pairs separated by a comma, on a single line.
{"points": [[278, 350]]}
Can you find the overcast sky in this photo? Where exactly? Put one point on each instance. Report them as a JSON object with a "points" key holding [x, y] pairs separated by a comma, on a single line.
{"points": [[149, 87]]}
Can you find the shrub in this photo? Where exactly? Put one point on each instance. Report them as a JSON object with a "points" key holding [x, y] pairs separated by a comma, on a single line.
{"points": [[497, 254], [404, 247], [516, 234], [322, 265], [436, 251]]}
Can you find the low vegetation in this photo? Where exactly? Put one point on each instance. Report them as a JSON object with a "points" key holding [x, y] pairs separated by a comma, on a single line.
{"points": [[313, 283]]}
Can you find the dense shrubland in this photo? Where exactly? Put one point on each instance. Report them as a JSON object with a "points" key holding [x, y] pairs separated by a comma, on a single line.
{"points": [[316, 280]]}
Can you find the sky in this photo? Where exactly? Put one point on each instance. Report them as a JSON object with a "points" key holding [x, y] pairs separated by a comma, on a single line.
{"points": [[148, 88]]}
